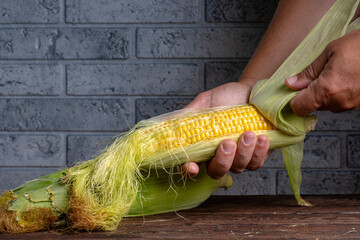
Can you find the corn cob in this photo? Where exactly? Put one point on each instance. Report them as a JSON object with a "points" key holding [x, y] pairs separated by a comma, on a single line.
{"points": [[184, 136], [171, 135]]}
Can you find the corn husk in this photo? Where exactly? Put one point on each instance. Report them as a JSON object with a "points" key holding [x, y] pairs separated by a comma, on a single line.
{"points": [[43, 203], [96, 195], [167, 192], [333, 25]]}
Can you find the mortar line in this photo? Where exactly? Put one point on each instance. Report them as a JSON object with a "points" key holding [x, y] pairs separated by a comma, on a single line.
{"points": [[62, 12]]}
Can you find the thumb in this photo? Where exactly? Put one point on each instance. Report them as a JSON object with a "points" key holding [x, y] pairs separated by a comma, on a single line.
{"points": [[309, 74], [297, 82], [307, 100]]}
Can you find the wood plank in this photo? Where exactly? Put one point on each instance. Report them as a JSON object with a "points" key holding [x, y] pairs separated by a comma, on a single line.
{"points": [[255, 217]]}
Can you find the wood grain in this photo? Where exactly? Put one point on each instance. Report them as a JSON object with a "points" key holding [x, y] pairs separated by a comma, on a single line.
{"points": [[244, 217]]}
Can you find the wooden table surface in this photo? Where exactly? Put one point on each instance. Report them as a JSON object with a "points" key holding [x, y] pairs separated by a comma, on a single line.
{"points": [[244, 217]]}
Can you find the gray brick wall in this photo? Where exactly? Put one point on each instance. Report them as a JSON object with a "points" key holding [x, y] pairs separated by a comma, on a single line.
{"points": [[75, 73]]}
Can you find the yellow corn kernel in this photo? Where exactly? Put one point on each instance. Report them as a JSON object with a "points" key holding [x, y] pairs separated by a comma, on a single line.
{"points": [[187, 130]]}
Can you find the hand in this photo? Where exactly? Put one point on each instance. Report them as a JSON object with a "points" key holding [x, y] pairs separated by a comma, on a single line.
{"points": [[250, 152], [332, 81]]}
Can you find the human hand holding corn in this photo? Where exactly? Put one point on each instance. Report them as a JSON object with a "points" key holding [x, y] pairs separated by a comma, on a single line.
{"points": [[250, 152]]}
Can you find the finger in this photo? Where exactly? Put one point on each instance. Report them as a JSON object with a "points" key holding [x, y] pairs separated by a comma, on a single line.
{"points": [[245, 149], [295, 83], [190, 169], [307, 100], [222, 161], [309, 74], [261, 153]]}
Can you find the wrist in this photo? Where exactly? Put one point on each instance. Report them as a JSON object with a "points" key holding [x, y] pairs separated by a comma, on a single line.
{"points": [[248, 81]]}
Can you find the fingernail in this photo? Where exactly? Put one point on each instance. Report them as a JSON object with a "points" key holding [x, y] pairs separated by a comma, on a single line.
{"points": [[292, 80], [192, 174], [248, 138], [261, 141], [228, 147]]}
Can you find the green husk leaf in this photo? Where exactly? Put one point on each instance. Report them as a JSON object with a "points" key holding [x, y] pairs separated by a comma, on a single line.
{"points": [[38, 183], [35, 193], [22, 203], [59, 196], [272, 97], [292, 158], [163, 192]]}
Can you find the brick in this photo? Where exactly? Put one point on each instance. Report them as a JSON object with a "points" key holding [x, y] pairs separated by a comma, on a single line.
{"points": [[133, 79], [30, 80], [30, 150], [29, 11], [319, 152], [249, 183], [348, 120], [239, 10], [128, 11], [322, 182], [13, 177], [217, 74], [147, 108], [65, 114], [197, 42], [83, 148], [67, 43], [353, 151]]}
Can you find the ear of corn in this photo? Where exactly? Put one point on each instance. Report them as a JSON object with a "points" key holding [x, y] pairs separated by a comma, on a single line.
{"points": [[159, 192], [96, 195]]}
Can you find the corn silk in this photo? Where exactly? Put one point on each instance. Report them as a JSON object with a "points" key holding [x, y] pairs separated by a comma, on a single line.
{"points": [[128, 179]]}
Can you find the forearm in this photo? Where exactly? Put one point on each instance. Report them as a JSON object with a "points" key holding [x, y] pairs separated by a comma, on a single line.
{"points": [[292, 21]]}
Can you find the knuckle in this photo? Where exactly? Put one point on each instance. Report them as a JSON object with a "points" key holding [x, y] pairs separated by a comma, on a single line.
{"points": [[201, 95], [340, 47], [258, 155], [220, 164], [237, 170], [345, 105], [253, 167], [214, 175], [336, 97], [328, 91], [333, 46], [310, 72], [256, 163]]}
